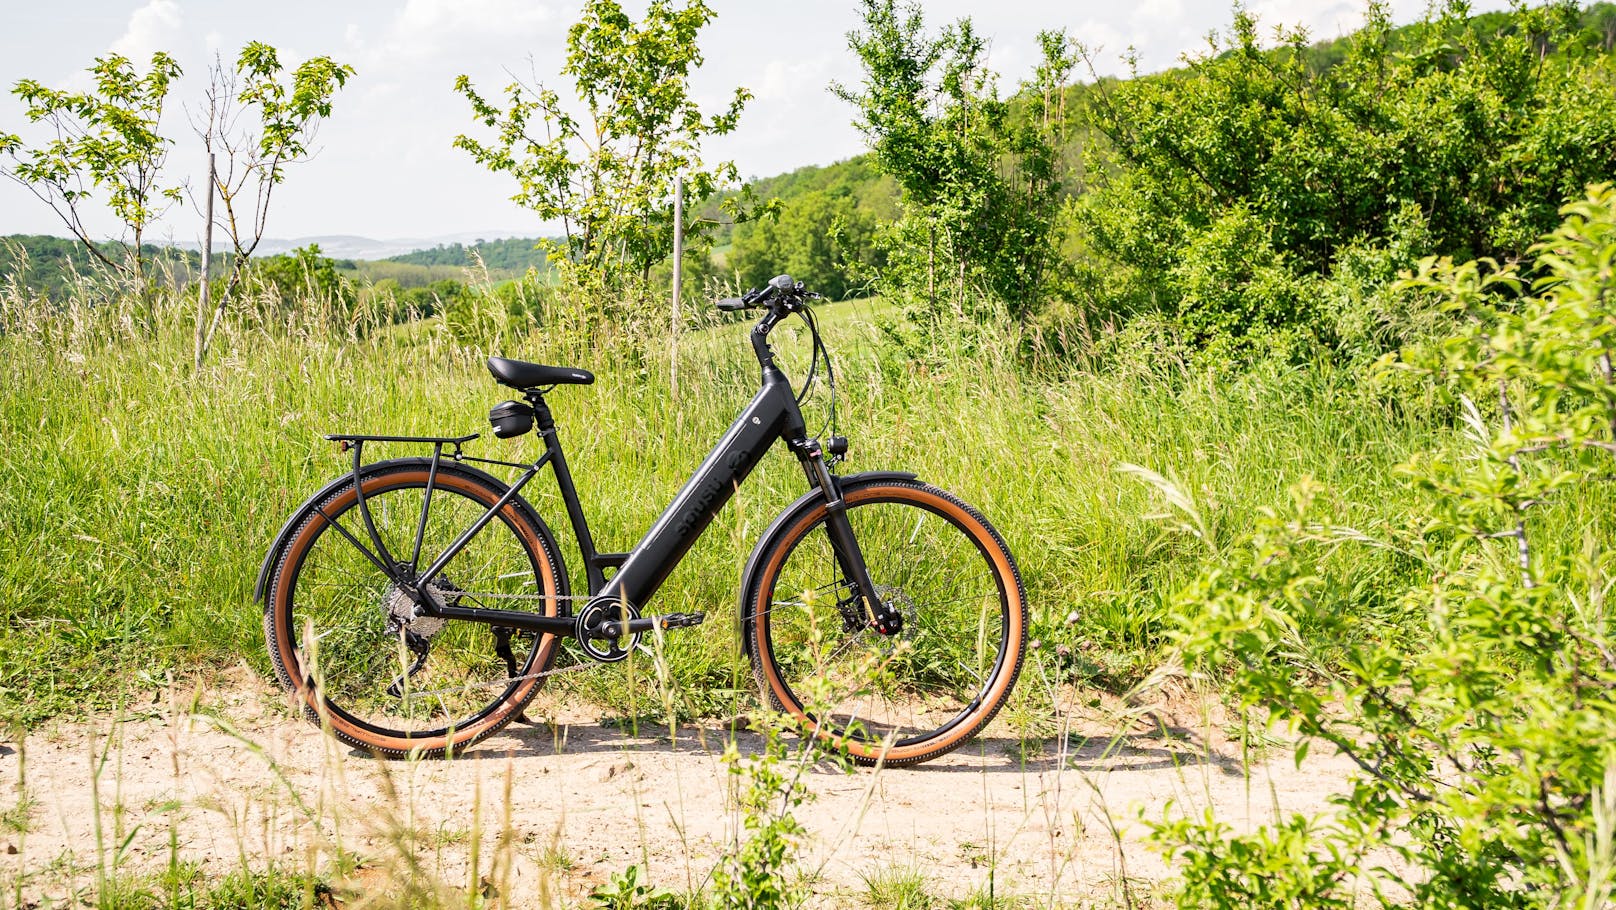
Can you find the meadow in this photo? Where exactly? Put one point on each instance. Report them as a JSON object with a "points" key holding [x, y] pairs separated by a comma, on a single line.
{"points": [[1278, 471], [1281, 546], [138, 497]]}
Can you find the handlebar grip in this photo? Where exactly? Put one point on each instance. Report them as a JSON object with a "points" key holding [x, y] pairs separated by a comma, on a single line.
{"points": [[731, 304]]}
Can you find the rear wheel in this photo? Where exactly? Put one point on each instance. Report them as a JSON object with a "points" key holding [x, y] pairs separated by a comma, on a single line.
{"points": [[905, 698], [343, 636]]}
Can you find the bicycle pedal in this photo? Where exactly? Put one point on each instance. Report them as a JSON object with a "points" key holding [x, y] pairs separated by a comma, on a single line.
{"points": [[681, 620]]}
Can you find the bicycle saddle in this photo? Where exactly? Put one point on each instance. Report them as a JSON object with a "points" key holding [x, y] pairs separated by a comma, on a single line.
{"points": [[519, 374]]}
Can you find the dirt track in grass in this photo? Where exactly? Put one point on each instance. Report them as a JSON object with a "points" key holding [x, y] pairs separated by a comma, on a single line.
{"points": [[242, 783]]}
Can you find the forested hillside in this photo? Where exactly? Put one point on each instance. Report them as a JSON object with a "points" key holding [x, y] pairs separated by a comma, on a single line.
{"points": [[831, 224], [1444, 116], [50, 265], [513, 255]]}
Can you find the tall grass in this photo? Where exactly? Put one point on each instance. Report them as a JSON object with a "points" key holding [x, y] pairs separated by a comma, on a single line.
{"points": [[137, 497]]}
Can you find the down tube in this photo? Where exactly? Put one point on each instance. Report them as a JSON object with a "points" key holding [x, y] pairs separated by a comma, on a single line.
{"points": [[771, 415]]}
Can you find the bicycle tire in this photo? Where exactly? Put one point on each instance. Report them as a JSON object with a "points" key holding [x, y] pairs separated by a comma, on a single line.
{"points": [[896, 700], [324, 585]]}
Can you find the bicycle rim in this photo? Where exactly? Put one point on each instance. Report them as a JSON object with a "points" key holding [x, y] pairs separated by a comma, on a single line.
{"points": [[345, 639], [908, 697]]}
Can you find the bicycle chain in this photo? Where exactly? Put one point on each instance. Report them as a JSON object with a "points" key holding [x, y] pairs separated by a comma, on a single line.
{"points": [[480, 596], [506, 681], [586, 665]]}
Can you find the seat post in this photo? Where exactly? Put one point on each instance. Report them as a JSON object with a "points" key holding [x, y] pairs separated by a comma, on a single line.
{"points": [[541, 411]]}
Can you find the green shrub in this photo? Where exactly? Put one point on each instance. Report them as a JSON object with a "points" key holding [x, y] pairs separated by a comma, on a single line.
{"points": [[1232, 186], [1482, 721]]}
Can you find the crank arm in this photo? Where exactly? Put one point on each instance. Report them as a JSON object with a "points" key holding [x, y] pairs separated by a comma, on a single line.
{"points": [[614, 629]]}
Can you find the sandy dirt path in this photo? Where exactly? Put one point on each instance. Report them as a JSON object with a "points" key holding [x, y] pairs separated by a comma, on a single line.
{"points": [[241, 783]]}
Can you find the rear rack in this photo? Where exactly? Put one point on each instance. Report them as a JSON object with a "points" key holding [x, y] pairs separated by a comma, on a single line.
{"points": [[384, 560], [361, 437]]}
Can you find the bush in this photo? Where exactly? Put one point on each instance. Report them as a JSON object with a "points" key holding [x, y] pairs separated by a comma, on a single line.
{"points": [[1484, 725], [1274, 165], [822, 239]]}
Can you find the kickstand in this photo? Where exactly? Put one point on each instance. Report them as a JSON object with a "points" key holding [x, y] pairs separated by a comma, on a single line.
{"points": [[502, 647]]}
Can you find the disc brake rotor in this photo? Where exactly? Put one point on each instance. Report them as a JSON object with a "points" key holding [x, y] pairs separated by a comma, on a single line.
{"points": [[897, 600]]}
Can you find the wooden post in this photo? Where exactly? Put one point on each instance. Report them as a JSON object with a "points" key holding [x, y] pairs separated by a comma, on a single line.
{"points": [[678, 279], [205, 294]]}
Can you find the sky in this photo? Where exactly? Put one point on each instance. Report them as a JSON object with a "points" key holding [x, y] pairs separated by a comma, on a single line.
{"points": [[385, 167]]}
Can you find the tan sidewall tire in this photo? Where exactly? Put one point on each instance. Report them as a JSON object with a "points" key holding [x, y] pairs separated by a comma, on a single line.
{"points": [[986, 538], [282, 641]]}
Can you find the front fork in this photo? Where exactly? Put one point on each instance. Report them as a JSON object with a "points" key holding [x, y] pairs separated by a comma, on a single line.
{"points": [[882, 617]]}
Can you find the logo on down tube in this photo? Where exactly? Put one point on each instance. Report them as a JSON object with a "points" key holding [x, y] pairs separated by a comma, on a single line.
{"points": [[711, 491]]}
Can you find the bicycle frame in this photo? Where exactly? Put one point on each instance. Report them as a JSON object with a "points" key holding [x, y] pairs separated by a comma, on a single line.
{"points": [[772, 415]]}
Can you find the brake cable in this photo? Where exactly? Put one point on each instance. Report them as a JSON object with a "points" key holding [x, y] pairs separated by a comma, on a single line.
{"points": [[819, 351]]}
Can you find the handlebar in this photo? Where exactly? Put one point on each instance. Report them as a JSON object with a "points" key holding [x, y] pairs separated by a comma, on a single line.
{"points": [[782, 288]]}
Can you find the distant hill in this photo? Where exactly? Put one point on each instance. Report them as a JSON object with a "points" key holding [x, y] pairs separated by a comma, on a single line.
{"points": [[849, 190], [513, 256], [854, 177], [47, 265], [349, 246]]}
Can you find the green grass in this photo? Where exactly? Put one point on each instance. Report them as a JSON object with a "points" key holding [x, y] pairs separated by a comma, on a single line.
{"points": [[898, 888], [137, 499]]}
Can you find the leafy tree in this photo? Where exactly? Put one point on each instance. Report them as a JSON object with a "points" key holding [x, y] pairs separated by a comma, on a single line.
{"points": [[305, 273], [980, 187], [821, 238], [261, 119], [1478, 133], [607, 174], [107, 139]]}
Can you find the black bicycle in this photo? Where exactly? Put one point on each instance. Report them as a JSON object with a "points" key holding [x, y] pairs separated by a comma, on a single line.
{"points": [[414, 606]]}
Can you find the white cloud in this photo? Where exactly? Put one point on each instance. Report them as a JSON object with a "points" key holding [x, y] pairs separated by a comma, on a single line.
{"points": [[151, 28], [427, 28], [1105, 42], [782, 80], [1157, 11], [1323, 21]]}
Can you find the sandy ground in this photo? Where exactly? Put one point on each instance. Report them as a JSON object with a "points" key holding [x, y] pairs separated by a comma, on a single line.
{"points": [[241, 783]]}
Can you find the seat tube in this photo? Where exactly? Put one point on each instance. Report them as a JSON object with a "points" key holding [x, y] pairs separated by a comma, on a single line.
{"points": [[843, 542], [594, 577]]}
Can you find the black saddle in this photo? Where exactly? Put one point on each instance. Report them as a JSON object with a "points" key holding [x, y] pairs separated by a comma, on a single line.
{"points": [[519, 374]]}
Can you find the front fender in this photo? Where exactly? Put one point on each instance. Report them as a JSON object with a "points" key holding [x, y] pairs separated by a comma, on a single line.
{"points": [[307, 508], [792, 512]]}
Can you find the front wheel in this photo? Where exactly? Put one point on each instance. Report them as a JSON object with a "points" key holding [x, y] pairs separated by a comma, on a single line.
{"points": [[897, 699]]}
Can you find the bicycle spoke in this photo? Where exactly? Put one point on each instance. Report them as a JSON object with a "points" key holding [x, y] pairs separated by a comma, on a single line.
{"points": [[931, 674], [351, 603]]}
